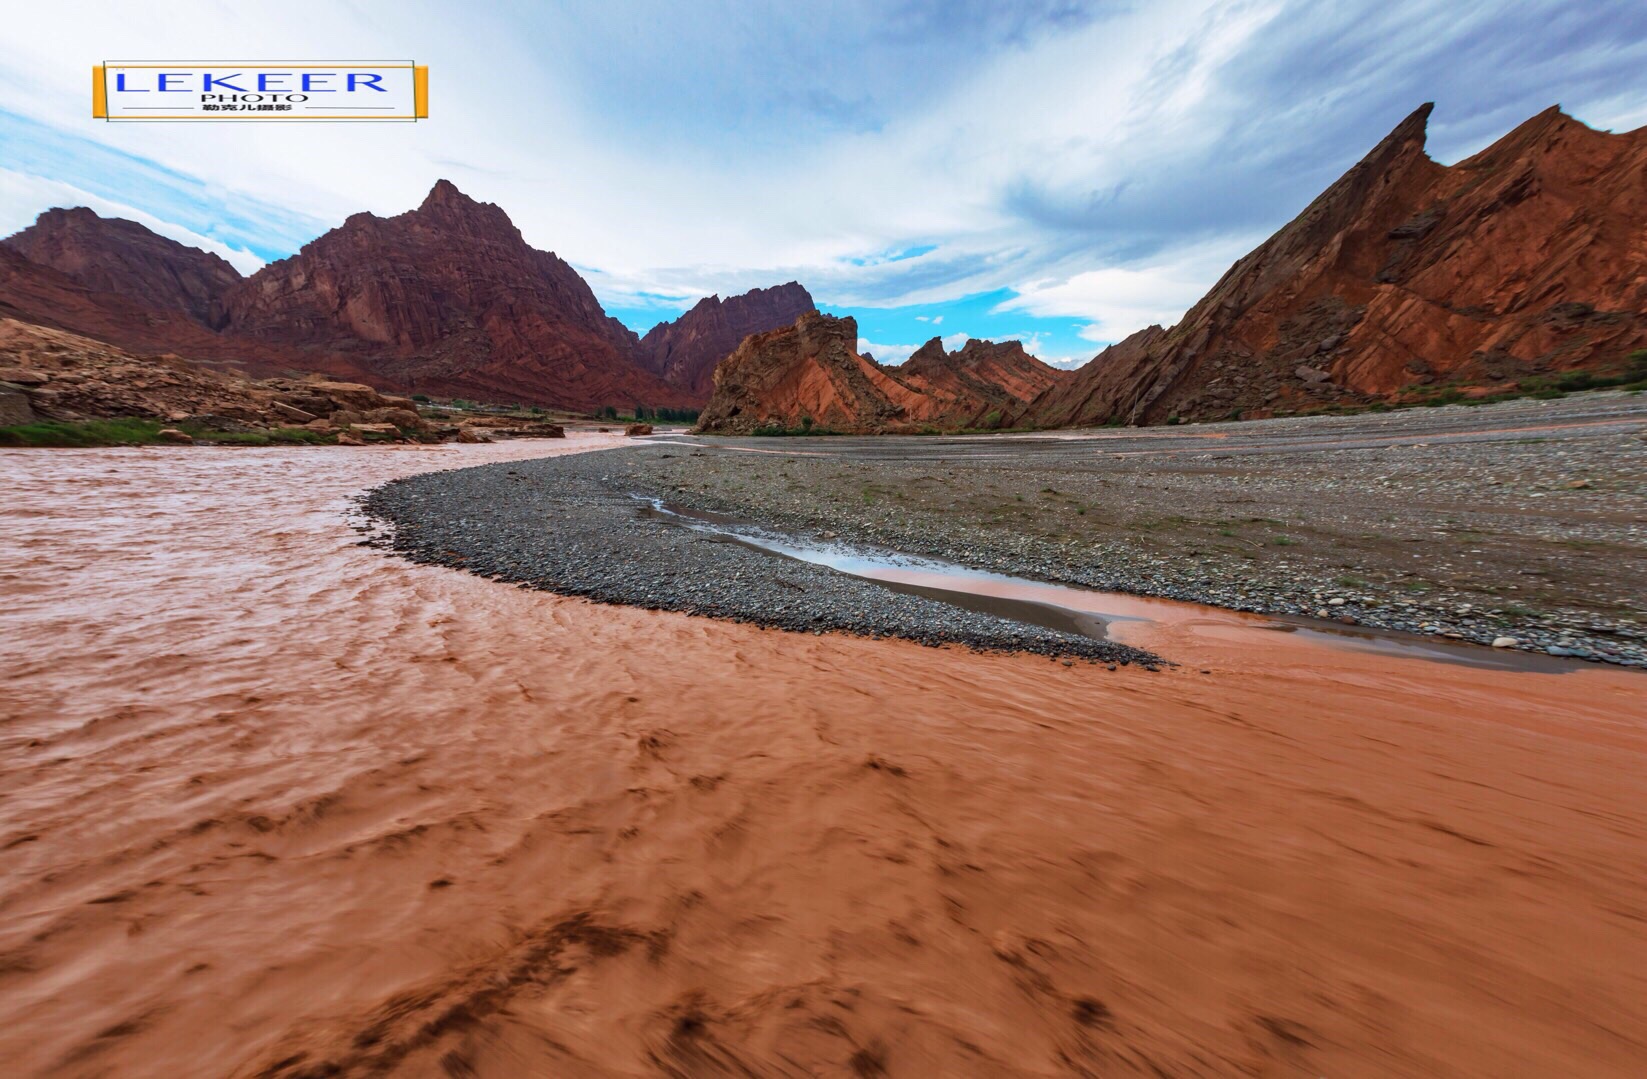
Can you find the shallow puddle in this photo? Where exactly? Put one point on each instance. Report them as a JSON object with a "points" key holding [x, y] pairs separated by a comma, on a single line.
{"points": [[1118, 616]]}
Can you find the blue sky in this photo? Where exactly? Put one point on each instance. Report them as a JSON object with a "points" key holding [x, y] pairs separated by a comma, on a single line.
{"points": [[1059, 171]]}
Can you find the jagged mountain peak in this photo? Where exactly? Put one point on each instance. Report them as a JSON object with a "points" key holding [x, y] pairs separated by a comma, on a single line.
{"points": [[686, 350], [1405, 274]]}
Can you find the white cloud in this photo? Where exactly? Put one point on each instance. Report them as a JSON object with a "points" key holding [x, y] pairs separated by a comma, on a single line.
{"points": [[22, 196], [1122, 300], [1035, 343], [713, 213], [887, 354], [1090, 158]]}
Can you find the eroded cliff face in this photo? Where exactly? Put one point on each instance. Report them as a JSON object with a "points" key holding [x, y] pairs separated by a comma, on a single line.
{"points": [[449, 299], [123, 257], [982, 381], [43, 296], [685, 352], [807, 373], [1522, 260], [810, 374]]}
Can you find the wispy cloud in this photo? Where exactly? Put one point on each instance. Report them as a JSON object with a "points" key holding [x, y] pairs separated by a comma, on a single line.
{"points": [[1119, 300], [21, 189], [49, 166], [887, 354], [1087, 167]]}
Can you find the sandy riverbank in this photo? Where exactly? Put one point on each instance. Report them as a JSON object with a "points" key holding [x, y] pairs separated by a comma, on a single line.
{"points": [[276, 803]]}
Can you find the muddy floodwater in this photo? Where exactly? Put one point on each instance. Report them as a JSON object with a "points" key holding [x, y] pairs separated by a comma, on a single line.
{"points": [[275, 803]]}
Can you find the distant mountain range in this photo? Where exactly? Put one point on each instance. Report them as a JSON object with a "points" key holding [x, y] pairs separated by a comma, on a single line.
{"points": [[685, 352], [447, 299], [810, 376], [1406, 281]]}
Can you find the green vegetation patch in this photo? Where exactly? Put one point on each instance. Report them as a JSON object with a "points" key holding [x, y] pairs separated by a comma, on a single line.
{"points": [[133, 431], [122, 431], [777, 430]]}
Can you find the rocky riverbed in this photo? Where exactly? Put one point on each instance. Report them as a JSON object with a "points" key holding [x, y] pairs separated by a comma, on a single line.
{"points": [[1517, 523], [579, 526]]}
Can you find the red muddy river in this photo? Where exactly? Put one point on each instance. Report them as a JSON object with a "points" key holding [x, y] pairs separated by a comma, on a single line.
{"points": [[273, 803]]}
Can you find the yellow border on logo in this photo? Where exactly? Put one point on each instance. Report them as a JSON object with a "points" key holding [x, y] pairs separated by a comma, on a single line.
{"points": [[420, 92]]}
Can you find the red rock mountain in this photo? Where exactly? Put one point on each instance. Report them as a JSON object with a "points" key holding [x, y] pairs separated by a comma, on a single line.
{"points": [[812, 371], [122, 257], [32, 293], [685, 352], [449, 299], [1524, 259], [984, 377]]}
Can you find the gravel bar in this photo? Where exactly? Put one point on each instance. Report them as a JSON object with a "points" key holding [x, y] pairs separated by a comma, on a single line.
{"points": [[575, 526], [1525, 520]]}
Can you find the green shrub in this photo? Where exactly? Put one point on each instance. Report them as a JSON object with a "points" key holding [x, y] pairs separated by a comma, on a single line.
{"points": [[778, 430], [132, 431], [121, 431]]}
